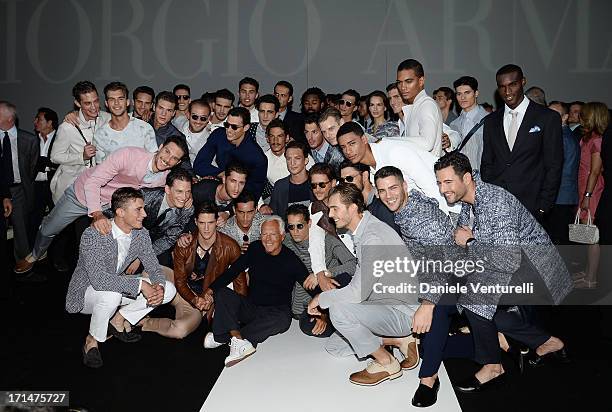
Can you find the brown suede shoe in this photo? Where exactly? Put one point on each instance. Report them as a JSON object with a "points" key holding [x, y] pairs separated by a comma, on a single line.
{"points": [[376, 373], [410, 350]]}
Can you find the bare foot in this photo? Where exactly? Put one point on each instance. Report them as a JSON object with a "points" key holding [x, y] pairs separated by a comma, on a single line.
{"points": [[489, 372], [551, 345]]}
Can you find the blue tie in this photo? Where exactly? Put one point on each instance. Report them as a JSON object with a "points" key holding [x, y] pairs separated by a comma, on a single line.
{"points": [[7, 159]]}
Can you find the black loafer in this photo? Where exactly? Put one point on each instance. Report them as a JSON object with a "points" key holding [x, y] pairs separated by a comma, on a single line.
{"points": [[92, 358], [426, 396], [127, 337], [520, 356], [473, 385], [559, 356]]}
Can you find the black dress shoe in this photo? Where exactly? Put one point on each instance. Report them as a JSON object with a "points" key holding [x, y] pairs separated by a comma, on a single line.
{"points": [[127, 337], [473, 385], [519, 355], [559, 356], [426, 396], [92, 358]]}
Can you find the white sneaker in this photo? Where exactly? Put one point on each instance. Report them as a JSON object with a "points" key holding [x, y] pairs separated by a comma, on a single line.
{"points": [[239, 349], [210, 342]]}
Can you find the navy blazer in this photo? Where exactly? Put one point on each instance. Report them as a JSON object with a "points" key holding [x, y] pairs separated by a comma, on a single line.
{"points": [[532, 170], [248, 153]]}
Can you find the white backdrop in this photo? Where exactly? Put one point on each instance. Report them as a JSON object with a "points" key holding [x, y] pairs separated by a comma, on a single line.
{"points": [[46, 46]]}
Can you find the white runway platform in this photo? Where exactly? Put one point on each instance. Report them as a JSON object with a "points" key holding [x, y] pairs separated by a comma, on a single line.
{"points": [[293, 373]]}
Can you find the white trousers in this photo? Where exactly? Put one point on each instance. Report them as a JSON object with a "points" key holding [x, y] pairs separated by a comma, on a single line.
{"points": [[102, 306]]}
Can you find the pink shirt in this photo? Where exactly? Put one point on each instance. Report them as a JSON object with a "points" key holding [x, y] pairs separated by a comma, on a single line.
{"points": [[125, 167]]}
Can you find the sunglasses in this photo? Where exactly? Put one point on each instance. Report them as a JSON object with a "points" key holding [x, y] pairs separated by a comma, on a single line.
{"points": [[299, 226], [245, 238], [233, 126], [196, 117], [347, 103], [347, 179], [182, 96], [320, 184]]}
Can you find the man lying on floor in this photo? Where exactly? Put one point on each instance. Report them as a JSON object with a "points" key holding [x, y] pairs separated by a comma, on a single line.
{"points": [[246, 321], [99, 286]]}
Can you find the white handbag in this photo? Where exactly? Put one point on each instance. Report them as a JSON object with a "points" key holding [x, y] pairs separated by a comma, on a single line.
{"points": [[583, 233]]}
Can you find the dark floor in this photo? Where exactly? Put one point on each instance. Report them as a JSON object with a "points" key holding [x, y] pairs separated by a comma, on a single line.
{"points": [[41, 350]]}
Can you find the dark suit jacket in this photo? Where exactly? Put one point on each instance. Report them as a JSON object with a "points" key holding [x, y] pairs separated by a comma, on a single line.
{"points": [[279, 201], [28, 150], [532, 171]]}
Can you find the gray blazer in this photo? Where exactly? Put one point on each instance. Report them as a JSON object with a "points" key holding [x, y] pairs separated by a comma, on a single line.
{"points": [[98, 263], [507, 239]]}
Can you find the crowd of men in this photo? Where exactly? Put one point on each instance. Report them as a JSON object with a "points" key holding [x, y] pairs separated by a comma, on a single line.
{"points": [[252, 214]]}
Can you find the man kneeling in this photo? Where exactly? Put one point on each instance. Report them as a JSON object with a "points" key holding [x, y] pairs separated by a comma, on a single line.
{"points": [[99, 286]]}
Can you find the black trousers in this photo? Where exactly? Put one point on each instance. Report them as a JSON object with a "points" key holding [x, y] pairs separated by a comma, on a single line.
{"points": [[556, 223], [43, 203], [518, 326], [255, 323]]}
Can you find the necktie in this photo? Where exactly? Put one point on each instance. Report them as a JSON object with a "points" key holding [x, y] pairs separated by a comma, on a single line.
{"points": [[7, 159], [513, 129]]}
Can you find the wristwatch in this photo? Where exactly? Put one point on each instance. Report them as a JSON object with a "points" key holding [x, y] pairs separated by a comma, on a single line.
{"points": [[469, 242]]}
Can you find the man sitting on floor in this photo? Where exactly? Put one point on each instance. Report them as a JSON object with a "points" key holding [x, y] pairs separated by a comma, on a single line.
{"points": [[196, 266], [266, 311], [99, 285], [366, 328], [340, 264]]}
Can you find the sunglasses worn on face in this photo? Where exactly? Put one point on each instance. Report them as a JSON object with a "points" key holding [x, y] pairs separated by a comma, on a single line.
{"points": [[347, 179], [299, 226], [320, 184], [347, 103], [233, 126], [196, 117], [182, 96]]}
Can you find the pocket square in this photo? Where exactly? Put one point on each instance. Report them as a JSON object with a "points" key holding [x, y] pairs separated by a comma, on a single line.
{"points": [[535, 129]]}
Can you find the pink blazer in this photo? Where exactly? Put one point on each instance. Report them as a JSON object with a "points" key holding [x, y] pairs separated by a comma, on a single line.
{"points": [[125, 167]]}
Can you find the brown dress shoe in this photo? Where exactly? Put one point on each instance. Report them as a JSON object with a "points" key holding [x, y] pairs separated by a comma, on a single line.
{"points": [[23, 266], [376, 373], [410, 350]]}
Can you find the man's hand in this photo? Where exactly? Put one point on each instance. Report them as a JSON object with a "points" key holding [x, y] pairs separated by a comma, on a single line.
{"points": [[101, 223], [130, 270], [89, 151], [244, 246], [445, 141], [146, 115], [223, 216], [184, 240], [462, 234], [311, 282], [209, 298], [421, 321], [326, 283], [313, 305], [153, 293], [320, 324], [8, 207], [265, 210], [72, 118], [189, 202], [201, 304]]}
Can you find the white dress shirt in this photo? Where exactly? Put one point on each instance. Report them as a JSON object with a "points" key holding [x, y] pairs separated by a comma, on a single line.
{"points": [[44, 151], [12, 132], [123, 242], [423, 123], [416, 164], [521, 109], [195, 141]]}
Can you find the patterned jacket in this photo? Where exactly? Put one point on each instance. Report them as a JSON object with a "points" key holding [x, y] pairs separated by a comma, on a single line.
{"points": [[428, 233], [508, 238], [97, 267]]}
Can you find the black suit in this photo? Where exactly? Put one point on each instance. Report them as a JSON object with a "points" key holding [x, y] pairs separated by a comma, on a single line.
{"points": [[295, 125], [28, 150], [532, 170]]}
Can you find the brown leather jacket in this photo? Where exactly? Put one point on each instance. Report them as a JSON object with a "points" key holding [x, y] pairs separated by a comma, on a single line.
{"points": [[225, 251]]}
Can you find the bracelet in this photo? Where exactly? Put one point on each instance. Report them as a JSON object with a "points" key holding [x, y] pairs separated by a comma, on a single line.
{"points": [[588, 194], [470, 240]]}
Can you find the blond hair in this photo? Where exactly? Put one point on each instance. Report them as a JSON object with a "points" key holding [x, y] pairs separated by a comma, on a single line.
{"points": [[594, 117]]}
